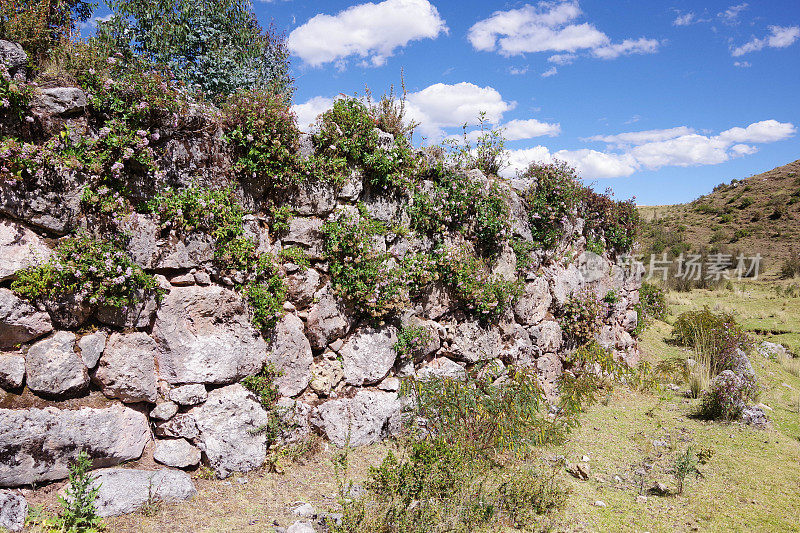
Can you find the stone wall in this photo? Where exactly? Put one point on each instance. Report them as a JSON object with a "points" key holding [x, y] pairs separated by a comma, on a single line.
{"points": [[162, 377]]}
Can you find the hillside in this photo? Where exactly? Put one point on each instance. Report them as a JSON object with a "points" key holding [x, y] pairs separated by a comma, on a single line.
{"points": [[756, 214]]}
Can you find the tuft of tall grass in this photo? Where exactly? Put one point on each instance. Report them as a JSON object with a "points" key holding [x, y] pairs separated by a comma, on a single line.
{"points": [[789, 363]]}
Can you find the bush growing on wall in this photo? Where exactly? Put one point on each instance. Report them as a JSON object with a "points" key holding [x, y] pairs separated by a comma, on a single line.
{"points": [[38, 25]]}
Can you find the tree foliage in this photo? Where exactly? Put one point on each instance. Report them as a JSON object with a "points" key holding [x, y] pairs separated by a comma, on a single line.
{"points": [[216, 46], [39, 24]]}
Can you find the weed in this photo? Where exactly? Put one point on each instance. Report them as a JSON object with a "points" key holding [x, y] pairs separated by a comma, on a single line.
{"points": [[78, 512], [580, 317], [263, 386], [411, 340], [685, 464]]}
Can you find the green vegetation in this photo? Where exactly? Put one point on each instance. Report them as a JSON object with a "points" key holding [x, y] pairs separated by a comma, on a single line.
{"points": [[580, 318], [96, 270], [411, 340], [38, 25], [263, 386]]}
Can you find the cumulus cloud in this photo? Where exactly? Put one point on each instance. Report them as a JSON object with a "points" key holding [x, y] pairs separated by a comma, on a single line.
{"points": [[370, 31], [779, 37], [654, 149], [685, 19], [441, 106], [549, 27], [731, 15], [562, 59], [307, 112], [552, 71], [516, 130]]}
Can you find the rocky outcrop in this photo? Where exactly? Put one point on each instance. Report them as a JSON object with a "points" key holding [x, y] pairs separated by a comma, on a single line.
{"points": [[38, 445], [203, 335]]}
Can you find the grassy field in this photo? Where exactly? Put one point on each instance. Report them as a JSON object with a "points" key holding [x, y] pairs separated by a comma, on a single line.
{"points": [[750, 483]]}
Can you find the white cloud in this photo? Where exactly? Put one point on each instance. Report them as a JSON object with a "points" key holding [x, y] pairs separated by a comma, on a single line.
{"points": [[562, 59], [731, 15], [626, 47], [93, 22], [654, 149], [441, 106], [552, 71], [766, 131], [634, 119], [307, 112], [549, 27], [515, 130], [518, 71], [369, 31], [685, 19], [780, 37], [742, 64]]}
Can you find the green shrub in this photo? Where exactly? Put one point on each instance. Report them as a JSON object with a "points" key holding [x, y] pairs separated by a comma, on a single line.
{"points": [[78, 512], [523, 251], [389, 113], [652, 302], [715, 337], [727, 397], [280, 217], [488, 155], [96, 269], [266, 295], [551, 200], [478, 290], [38, 25], [526, 495], [685, 464], [263, 386], [746, 202], [15, 96], [217, 47], [791, 266], [411, 340], [296, 255], [580, 317]]}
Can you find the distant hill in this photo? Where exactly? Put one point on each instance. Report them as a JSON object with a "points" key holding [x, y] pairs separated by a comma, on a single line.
{"points": [[756, 214]]}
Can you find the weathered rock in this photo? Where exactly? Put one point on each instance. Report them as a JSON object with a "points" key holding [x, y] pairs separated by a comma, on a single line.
{"points": [[228, 422], [20, 247], [291, 355], [564, 282], [531, 307], [771, 350], [580, 471], [20, 322], [755, 416], [60, 101], [189, 394], [12, 370], [49, 200], [307, 233], [301, 526], [13, 510], [69, 311], [38, 444], [177, 453], [143, 243], [368, 355], [124, 490], [12, 55], [443, 368], [430, 338], [437, 302], [352, 188], [182, 425], [630, 320], [547, 336], [549, 369], [182, 280], [593, 267], [54, 369], [137, 315], [325, 375], [327, 320], [127, 369], [385, 139], [505, 265], [301, 286], [204, 336], [91, 347], [305, 143], [473, 343], [316, 198], [367, 418], [164, 411], [385, 207]]}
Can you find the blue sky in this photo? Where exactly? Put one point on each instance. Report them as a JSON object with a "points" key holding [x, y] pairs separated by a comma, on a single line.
{"points": [[660, 100]]}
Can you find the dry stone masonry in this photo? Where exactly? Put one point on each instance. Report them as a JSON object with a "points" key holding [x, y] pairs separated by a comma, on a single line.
{"points": [[163, 371]]}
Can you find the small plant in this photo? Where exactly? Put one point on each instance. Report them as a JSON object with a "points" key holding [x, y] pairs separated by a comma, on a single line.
{"points": [[715, 337], [580, 317], [746, 202], [791, 266], [523, 251], [263, 386], [280, 218], [685, 464], [612, 297], [488, 154], [411, 340], [296, 255], [78, 512]]}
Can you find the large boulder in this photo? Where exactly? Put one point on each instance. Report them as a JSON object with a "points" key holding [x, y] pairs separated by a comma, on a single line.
{"points": [[230, 423], [301, 286], [13, 511], [368, 355], [442, 368], [291, 356], [12, 55], [60, 101], [127, 369], [12, 370], [177, 453], [54, 369], [39, 444], [473, 343], [367, 418], [532, 306], [20, 248], [20, 322], [204, 336], [564, 282], [124, 490], [327, 320]]}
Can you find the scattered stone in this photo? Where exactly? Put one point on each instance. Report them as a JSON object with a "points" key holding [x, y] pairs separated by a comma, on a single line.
{"points": [[291, 355], [600, 503], [91, 347], [755, 417], [367, 418], [442, 368], [368, 355], [301, 526], [230, 423], [20, 322], [771, 350], [204, 335], [21, 249], [659, 489], [13, 510], [124, 490], [127, 369], [12, 370], [189, 394], [580, 471], [38, 444], [177, 453], [164, 411], [181, 425], [53, 368], [305, 511]]}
